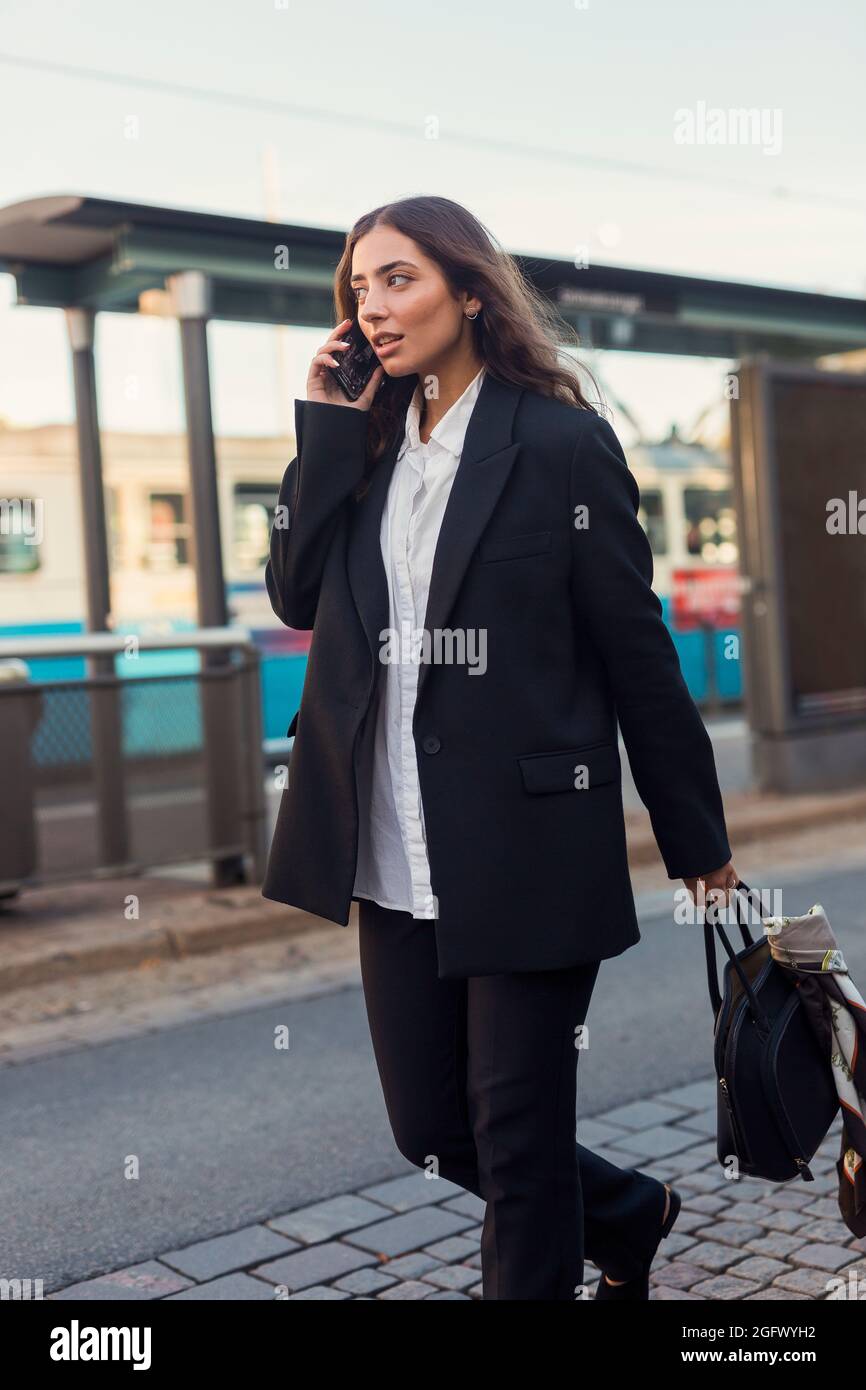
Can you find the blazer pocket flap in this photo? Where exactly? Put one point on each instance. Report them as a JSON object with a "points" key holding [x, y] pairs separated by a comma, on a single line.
{"points": [[511, 547], [294, 724], [577, 769]]}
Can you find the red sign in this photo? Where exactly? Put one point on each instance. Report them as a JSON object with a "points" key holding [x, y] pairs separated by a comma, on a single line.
{"points": [[705, 598]]}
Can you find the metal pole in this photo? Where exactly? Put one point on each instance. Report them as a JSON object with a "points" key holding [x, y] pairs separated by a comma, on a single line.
{"points": [[190, 296], [105, 713], [251, 725]]}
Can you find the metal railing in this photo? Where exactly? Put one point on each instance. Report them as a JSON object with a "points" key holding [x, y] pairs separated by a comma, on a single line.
{"points": [[153, 756]]}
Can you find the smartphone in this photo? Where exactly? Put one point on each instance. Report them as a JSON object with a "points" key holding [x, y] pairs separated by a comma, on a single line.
{"points": [[357, 363]]}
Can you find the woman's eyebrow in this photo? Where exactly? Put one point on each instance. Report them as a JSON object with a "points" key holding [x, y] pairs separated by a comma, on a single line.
{"points": [[383, 269]]}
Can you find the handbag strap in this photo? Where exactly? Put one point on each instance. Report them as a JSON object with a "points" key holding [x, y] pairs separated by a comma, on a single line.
{"points": [[712, 923], [710, 948]]}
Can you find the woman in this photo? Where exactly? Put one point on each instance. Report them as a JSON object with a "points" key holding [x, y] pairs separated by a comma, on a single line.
{"points": [[464, 542]]}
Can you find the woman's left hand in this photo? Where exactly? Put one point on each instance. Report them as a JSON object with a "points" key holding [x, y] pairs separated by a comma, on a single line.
{"points": [[718, 883]]}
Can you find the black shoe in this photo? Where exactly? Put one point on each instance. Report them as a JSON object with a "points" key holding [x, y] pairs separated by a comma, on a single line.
{"points": [[637, 1288]]}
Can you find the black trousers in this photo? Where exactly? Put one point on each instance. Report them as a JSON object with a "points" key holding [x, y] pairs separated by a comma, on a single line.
{"points": [[479, 1078]]}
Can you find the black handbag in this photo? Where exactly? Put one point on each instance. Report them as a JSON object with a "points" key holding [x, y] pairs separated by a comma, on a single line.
{"points": [[776, 1097]]}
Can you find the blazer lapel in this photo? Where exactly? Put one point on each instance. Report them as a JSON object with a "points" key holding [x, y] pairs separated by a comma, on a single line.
{"points": [[488, 456], [485, 463]]}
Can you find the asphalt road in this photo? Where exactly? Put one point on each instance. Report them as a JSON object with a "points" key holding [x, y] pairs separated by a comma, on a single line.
{"points": [[226, 1128]]}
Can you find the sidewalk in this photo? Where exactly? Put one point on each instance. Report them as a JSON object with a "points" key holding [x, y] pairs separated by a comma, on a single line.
{"points": [[73, 929], [416, 1238]]}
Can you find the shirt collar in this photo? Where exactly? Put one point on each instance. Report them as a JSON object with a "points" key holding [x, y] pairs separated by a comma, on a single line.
{"points": [[450, 432]]}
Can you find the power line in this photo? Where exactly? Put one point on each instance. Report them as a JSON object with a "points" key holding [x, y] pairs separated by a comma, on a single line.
{"points": [[403, 131]]}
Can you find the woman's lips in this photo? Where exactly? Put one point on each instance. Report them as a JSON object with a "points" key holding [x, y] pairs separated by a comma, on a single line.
{"points": [[388, 347]]}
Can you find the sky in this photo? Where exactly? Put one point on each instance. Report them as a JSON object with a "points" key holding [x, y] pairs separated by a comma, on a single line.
{"points": [[559, 124]]}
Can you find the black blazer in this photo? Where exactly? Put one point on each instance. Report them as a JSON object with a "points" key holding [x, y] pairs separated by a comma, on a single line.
{"points": [[527, 851]]}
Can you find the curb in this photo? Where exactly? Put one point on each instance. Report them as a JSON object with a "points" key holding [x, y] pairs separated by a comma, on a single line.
{"points": [[197, 923], [755, 819], [201, 923]]}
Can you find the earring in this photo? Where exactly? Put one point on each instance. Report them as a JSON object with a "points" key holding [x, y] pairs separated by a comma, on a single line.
{"points": [[473, 316]]}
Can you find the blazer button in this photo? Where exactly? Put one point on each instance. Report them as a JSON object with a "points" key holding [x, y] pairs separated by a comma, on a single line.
{"points": [[430, 743]]}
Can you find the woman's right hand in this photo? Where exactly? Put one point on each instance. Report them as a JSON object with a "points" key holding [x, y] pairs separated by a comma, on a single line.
{"points": [[321, 386]]}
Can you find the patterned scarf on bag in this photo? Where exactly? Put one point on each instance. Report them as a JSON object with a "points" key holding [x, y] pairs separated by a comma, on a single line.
{"points": [[837, 1013]]}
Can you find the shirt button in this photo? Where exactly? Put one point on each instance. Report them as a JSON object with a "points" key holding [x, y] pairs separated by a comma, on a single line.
{"points": [[430, 743]]}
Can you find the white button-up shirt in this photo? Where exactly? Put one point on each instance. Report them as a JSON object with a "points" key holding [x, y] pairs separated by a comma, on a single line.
{"points": [[393, 868]]}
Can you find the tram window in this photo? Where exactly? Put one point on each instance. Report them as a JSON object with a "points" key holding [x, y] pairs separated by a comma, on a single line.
{"points": [[254, 506], [168, 544], [651, 515], [20, 535], [711, 525], [112, 525]]}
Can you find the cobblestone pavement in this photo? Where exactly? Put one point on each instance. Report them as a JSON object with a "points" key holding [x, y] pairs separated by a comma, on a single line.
{"points": [[416, 1238]]}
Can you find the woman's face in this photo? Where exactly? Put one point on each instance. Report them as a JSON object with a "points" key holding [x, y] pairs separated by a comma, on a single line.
{"points": [[399, 290]]}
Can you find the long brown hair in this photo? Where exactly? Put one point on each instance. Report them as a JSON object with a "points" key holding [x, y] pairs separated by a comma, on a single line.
{"points": [[516, 333]]}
